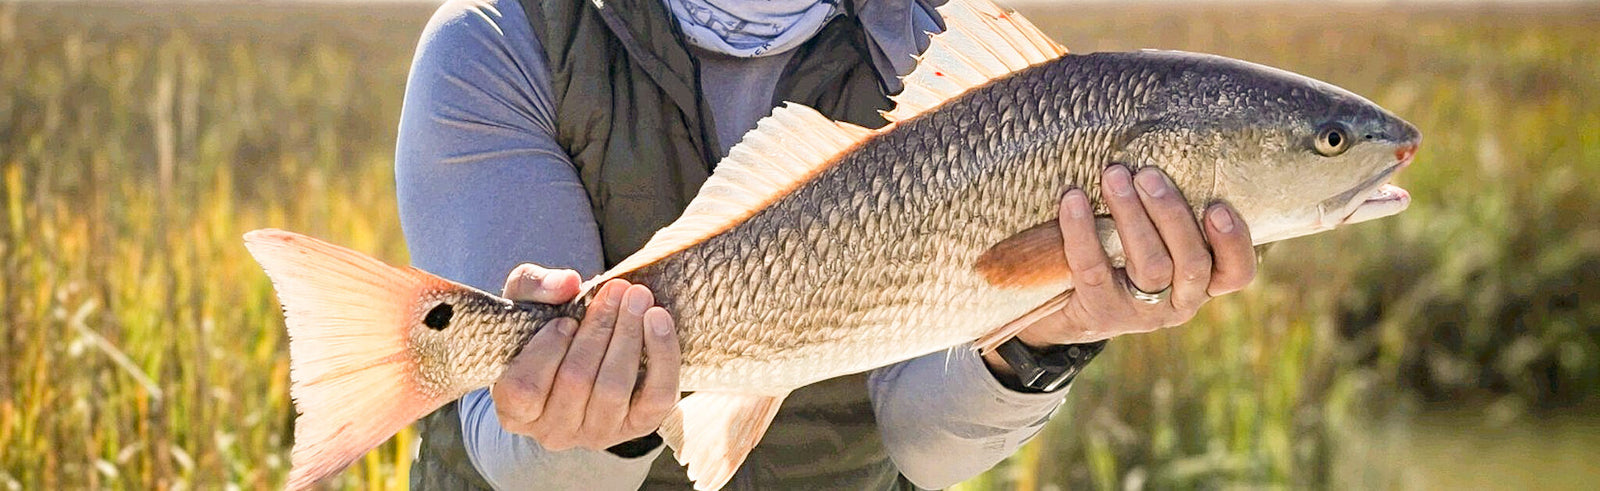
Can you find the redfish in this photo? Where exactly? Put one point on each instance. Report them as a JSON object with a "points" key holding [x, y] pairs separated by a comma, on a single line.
{"points": [[820, 248]]}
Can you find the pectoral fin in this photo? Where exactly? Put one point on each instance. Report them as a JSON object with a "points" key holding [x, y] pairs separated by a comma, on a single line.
{"points": [[1037, 257], [1032, 257], [711, 433]]}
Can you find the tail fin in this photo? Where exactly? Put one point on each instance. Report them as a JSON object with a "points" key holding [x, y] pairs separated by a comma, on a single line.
{"points": [[354, 377]]}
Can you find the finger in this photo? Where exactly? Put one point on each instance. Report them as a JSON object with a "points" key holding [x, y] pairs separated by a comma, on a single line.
{"points": [[1191, 258], [1085, 257], [574, 381], [520, 394], [530, 282], [1232, 251], [1149, 265], [658, 391], [613, 388]]}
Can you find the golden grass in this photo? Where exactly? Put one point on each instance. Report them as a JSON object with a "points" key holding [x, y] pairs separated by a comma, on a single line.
{"points": [[142, 348]]}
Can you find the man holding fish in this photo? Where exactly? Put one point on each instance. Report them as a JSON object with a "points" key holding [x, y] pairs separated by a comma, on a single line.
{"points": [[564, 133]]}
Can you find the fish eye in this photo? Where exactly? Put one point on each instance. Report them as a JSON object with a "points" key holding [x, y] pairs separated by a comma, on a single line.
{"points": [[1332, 140], [439, 317]]}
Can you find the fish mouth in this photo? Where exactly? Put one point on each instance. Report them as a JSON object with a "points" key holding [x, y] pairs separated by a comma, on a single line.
{"points": [[1382, 199], [1387, 200]]}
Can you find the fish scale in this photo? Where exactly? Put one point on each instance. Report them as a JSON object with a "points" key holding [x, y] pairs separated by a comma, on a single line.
{"points": [[1006, 177]]}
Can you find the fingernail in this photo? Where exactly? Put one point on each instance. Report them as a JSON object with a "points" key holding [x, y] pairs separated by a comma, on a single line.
{"points": [[659, 324], [614, 295], [1118, 181], [637, 300], [514, 289], [1077, 203], [565, 325], [1152, 182], [549, 282], [1222, 219]]}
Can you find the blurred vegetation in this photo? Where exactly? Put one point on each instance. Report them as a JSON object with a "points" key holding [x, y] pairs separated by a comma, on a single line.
{"points": [[142, 348], [1474, 310]]}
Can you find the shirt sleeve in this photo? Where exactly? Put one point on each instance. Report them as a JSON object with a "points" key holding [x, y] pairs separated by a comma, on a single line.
{"points": [[482, 187], [944, 418]]}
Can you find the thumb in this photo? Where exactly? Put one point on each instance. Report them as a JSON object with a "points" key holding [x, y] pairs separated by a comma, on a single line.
{"points": [[530, 282]]}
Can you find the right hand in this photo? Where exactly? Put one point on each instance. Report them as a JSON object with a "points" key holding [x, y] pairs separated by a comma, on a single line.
{"points": [[1166, 249], [577, 384]]}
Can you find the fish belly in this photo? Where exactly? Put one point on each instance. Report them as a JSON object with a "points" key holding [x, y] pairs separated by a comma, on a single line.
{"points": [[773, 359]]}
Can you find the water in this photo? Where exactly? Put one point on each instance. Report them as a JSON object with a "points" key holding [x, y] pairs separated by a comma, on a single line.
{"points": [[1468, 450]]}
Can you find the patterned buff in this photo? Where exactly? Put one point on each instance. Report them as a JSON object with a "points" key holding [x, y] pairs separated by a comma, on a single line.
{"points": [[748, 29]]}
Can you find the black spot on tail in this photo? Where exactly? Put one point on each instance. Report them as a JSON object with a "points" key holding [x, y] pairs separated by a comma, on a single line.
{"points": [[439, 318]]}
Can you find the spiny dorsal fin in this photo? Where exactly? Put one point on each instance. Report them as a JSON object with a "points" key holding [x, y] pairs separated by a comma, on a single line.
{"points": [[981, 42], [784, 151]]}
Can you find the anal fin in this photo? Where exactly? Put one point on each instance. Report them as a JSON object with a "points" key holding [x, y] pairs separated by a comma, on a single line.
{"points": [[711, 433]]}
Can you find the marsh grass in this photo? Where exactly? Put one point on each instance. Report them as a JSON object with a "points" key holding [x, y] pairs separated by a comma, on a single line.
{"points": [[142, 347]]}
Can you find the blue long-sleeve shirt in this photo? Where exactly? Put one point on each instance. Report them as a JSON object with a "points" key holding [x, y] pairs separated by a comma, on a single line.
{"points": [[484, 186]]}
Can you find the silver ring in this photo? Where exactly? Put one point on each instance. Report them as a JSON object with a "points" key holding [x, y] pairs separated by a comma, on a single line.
{"points": [[1148, 297]]}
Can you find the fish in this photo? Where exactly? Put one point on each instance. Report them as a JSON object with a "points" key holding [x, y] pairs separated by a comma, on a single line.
{"points": [[820, 248]]}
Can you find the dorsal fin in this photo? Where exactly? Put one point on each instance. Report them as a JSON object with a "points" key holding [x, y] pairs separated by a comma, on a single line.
{"points": [[982, 41], [784, 151]]}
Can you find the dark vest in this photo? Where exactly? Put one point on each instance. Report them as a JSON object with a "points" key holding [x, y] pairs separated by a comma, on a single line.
{"points": [[630, 114]]}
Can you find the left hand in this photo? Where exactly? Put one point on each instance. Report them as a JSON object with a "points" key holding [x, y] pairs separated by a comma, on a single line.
{"points": [[576, 384], [1165, 247]]}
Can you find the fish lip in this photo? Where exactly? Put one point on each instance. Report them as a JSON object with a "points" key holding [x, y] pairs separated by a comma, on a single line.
{"points": [[1383, 199], [1365, 187], [1386, 200]]}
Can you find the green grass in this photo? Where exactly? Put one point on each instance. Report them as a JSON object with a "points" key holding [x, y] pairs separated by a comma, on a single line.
{"points": [[142, 348]]}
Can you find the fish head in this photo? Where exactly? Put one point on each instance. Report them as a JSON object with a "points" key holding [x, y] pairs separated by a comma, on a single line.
{"points": [[1292, 154]]}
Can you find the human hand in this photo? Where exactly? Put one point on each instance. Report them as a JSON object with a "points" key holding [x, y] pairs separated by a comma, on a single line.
{"points": [[1164, 247], [577, 385]]}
